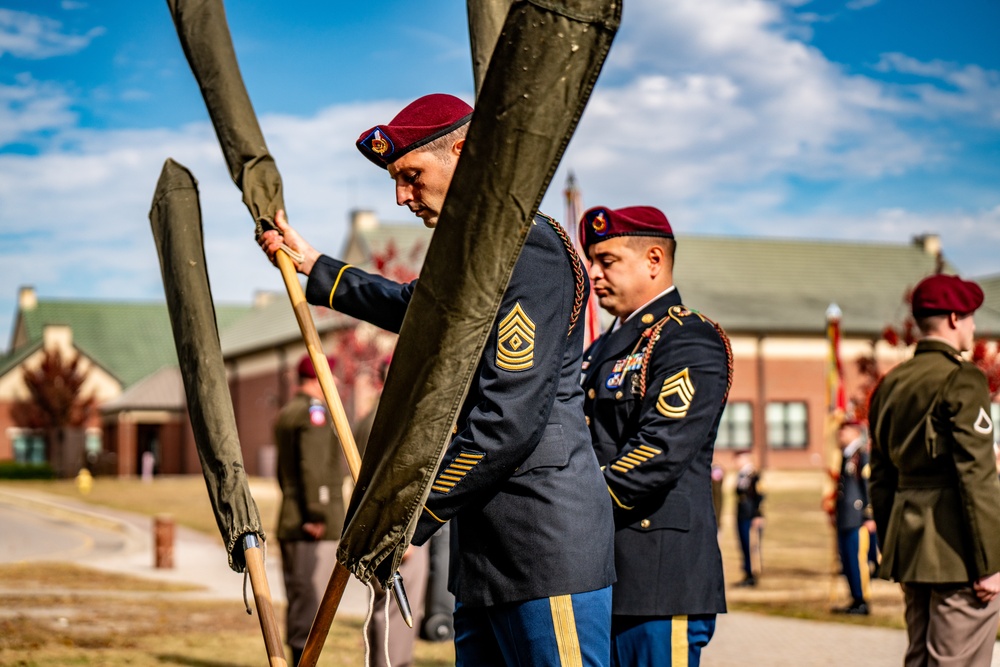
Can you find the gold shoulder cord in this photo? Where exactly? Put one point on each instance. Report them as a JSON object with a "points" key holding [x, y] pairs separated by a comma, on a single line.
{"points": [[579, 279], [655, 331]]}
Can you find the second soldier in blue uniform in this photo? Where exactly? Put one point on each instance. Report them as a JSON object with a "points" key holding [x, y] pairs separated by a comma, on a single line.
{"points": [[656, 386]]}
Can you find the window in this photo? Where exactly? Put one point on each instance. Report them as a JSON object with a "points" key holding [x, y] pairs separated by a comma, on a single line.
{"points": [[787, 425], [736, 426], [29, 446]]}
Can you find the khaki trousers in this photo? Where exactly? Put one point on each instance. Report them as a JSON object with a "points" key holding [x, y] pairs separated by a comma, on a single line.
{"points": [[306, 567], [948, 626]]}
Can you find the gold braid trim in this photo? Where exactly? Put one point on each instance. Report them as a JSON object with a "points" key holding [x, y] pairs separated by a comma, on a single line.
{"points": [[579, 275], [654, 332]]}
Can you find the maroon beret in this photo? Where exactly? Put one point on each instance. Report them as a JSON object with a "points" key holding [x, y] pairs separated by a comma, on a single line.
{"points": [[307, 370], [419, 123], [600, 224], [943, 293]]}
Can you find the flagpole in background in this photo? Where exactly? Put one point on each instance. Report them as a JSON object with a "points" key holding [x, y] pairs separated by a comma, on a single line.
{"points": [[574, 211]]}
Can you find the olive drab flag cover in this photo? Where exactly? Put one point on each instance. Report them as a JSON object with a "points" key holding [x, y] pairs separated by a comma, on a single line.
{"points": [[541, 74], [175, 217], [486, 19], [204, 36]]}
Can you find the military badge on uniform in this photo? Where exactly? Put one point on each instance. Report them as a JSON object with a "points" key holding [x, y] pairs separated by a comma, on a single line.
{"points": [[983, 423], [599, 221], [621, 368], [516, 341], [378, 142], [317, 415], [676, 389]]}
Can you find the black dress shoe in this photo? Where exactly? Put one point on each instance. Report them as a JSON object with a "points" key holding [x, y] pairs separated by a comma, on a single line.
{"points": [[856, 608], [749, 582]]}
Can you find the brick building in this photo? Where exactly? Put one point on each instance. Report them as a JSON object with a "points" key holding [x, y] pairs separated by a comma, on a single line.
{"points": [[771, 296]]}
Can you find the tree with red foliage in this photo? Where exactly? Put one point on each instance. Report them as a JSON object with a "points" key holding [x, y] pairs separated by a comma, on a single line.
{"points": [[364, 349], [56, 402]]}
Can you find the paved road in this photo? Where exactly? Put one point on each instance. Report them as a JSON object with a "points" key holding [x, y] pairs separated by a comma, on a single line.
{"points": [[34, 526]]}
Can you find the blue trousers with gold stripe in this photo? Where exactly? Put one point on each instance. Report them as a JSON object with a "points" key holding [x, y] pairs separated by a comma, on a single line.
{"points": [[854, 554], [564, 631], [660, 641]]}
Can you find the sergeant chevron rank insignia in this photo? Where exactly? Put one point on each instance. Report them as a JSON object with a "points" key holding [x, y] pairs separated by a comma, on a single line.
{"points": [[679, 390], [516, 341]]}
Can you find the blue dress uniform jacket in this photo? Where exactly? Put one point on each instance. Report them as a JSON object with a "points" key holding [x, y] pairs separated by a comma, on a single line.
{"points": [[853, 507], [655, 443], [519, 481]]}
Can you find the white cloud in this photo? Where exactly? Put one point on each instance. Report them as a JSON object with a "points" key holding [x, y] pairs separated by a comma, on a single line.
{"points": [[28, 106], [948, 88], [710, 109], [712, 93], [77, 219], [861, 4], [31, 36]]}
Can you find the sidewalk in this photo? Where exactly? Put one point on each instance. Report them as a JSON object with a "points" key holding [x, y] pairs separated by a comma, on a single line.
{"points": [[199, 559]]}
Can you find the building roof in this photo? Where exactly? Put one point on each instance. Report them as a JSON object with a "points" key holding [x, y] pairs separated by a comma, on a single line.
{"points": [[129, 339], [275, 324], [755, 285], [991, 293], [403, 244], [765, 285], [163, 390]]}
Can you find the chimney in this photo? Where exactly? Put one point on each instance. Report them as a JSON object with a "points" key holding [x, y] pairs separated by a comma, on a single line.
{"points": [[27, 299], [929, 243], [363, 221]]}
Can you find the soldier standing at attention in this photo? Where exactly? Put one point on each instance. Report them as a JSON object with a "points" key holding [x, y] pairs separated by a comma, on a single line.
{"points": [[934, 488], [532, 526], [656, 384], [852, 515], [749, 515], [311, 517]]}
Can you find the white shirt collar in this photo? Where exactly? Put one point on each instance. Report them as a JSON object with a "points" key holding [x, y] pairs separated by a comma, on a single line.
{"points": [[619, 321]]}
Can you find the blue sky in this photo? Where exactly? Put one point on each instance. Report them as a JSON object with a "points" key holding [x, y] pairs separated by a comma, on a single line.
{"points": [[866, 120]]}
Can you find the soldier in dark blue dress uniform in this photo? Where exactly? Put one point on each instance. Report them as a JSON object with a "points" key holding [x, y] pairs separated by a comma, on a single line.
{"points": [[532, 528], [656, 384], [749, 515], [853, 515]]}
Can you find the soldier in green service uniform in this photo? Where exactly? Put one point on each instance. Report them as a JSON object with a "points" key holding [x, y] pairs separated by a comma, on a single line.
{"points": [[311, 519], [934, 488]]}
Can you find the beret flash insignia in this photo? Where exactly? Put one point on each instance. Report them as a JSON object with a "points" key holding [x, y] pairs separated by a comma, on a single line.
{"points": [[599, 223], [378, 142], [678, 388], [516, 341]]}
